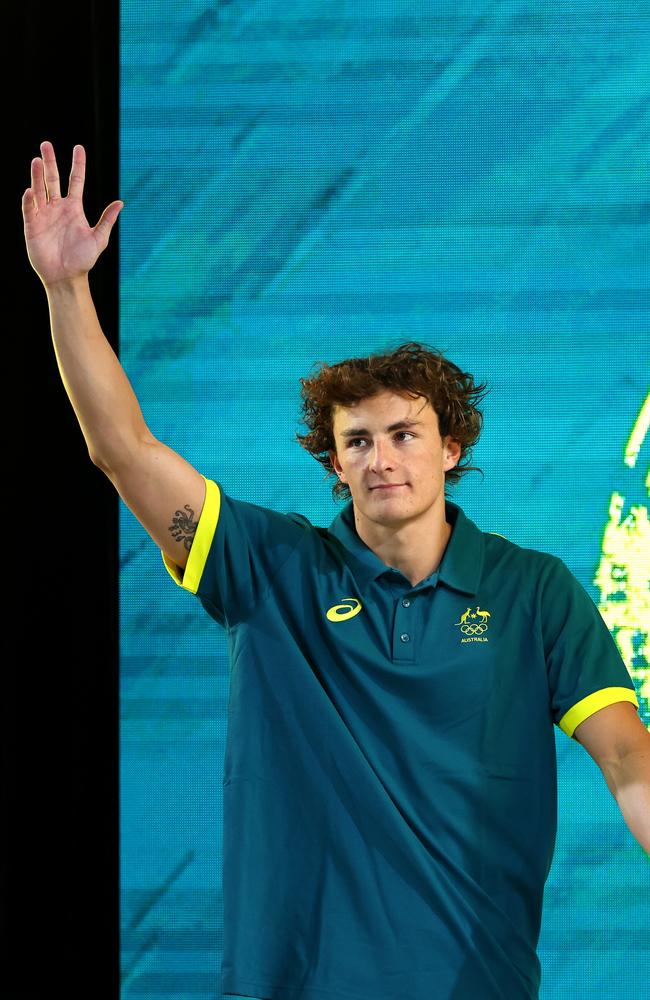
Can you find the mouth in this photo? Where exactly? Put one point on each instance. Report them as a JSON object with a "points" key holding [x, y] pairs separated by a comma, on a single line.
{"points": [[389, 486]]}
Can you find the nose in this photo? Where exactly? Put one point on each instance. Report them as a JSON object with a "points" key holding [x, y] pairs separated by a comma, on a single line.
{"points": [[381, 457]]}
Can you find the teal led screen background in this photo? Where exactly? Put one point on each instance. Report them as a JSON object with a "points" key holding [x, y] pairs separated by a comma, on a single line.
{"points": [[311, 181]]}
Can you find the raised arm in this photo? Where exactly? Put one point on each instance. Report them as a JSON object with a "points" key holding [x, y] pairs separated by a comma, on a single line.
{"points": [[153, 480]]}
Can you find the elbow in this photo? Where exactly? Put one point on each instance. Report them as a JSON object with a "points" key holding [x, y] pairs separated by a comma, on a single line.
{"points": [[123, 452], [97, 460]]}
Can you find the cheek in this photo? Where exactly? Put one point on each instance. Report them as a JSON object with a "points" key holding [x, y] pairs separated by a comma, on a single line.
{"points": [[353, 460]]}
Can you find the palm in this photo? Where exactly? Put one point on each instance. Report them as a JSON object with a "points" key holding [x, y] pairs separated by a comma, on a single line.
{"points": [[60, 242]]}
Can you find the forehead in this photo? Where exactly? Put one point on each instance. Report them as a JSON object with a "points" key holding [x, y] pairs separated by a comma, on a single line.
{"points": [[383, 408]]}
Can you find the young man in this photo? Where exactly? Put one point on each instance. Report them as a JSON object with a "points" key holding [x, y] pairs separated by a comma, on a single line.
{"points": [[390, 783]]}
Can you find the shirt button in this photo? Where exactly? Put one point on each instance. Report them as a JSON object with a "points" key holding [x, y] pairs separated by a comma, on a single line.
{"points": [[405, 637], [406, 603]]}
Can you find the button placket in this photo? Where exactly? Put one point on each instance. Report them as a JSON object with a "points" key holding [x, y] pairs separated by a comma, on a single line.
{"points": [[403, 635]]}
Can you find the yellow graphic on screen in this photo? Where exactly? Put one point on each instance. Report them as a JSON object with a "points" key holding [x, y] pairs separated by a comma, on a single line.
{"points": [[623, 575]]}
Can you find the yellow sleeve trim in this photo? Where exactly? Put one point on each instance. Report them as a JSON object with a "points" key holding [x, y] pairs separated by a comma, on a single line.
{"points": [[592, 703], [205, 529]]}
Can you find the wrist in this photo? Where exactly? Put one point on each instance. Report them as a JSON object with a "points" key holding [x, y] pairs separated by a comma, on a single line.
{"points": [[68, 287]]}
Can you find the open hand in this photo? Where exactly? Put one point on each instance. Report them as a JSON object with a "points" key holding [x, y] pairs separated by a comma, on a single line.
{"points": [[60, 243]]}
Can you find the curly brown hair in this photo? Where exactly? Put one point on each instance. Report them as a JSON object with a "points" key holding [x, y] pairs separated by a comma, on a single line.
{"points": [[411, 369]]}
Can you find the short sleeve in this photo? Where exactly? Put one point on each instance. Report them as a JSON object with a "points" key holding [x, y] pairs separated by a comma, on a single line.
{"points": [[585, 669], [237, 551]]}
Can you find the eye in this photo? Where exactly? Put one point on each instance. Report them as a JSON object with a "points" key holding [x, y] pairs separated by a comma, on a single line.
{"points": [[354, 441]]}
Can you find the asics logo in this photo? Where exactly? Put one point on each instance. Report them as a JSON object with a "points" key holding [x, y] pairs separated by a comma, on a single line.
{"points": [[348, 608]]}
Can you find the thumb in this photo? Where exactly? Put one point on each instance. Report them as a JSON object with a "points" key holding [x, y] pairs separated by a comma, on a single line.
{"points": [[108, 219]]}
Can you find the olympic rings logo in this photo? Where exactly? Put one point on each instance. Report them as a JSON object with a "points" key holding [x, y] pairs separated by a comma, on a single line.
{"points": [[474, 629]]}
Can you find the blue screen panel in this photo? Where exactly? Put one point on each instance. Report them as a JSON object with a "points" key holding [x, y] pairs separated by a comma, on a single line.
{"points": [[315, 181]]}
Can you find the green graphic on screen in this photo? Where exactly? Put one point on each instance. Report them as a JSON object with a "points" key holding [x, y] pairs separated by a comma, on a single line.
{"points": [[315, 181], [623, 576]]}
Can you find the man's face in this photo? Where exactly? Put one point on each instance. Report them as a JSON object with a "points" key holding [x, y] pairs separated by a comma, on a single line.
{"points": [[390, 454]]}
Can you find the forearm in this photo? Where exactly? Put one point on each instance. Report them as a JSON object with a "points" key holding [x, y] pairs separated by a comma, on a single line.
{"points": [[100, 393], [629, 782]]}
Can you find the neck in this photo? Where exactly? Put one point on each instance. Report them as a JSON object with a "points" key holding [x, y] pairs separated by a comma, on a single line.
{"points": [[415, 547]]}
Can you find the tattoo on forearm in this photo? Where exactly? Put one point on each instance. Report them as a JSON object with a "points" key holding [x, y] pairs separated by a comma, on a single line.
{"points": [[183, 526]]}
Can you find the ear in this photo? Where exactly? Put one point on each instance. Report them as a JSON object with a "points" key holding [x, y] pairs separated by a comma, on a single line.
{"points": [[336, 465], [452, 450]]}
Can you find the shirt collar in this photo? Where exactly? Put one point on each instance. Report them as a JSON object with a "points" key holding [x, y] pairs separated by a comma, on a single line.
{"points": [[462, 560]]}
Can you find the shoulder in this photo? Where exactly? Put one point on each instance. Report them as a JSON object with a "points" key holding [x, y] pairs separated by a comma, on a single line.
{"points": [[535, 563], [247, 512], [540, 580]]}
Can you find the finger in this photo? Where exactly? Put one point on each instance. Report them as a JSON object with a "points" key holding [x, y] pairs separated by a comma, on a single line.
{"points": [[38, 182], [30, 209], [77, 173], [107, 220], [51, 171]]}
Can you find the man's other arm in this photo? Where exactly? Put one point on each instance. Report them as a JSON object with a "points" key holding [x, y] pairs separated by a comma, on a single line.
{"points": [[616, 738]]}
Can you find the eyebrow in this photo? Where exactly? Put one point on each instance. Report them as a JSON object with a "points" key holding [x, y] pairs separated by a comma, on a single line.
{"points": [[361, 431]]}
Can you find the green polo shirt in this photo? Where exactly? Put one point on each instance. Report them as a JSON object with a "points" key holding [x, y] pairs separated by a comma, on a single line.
{"points": [[389, 788]]}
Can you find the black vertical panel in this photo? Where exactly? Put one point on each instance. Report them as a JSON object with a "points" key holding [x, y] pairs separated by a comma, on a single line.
{"points": [[60, 891]]}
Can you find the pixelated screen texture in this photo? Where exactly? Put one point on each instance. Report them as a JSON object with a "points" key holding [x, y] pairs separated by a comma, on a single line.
{"points": [[311, 181]]}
